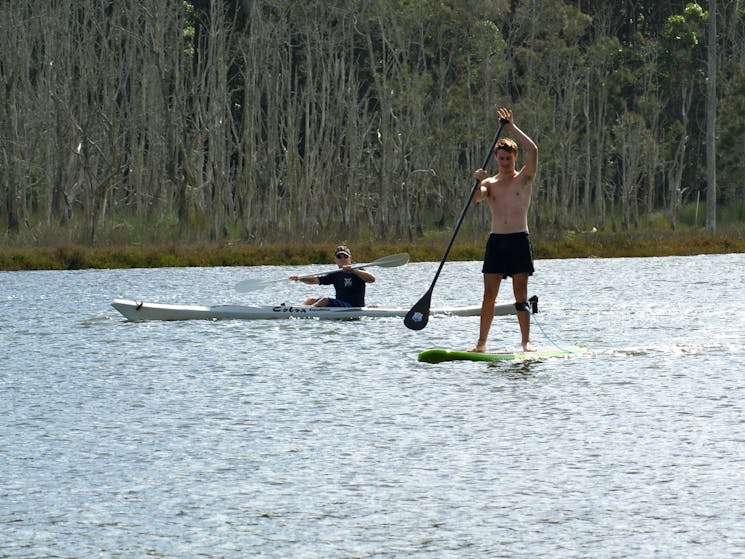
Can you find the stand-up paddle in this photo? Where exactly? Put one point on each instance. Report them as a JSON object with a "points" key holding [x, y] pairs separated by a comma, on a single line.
{"points": [[385, 262], [418, 316]]}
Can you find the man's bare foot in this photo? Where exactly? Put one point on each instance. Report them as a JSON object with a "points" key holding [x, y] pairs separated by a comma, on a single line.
{"points": [[478, 348], [527, 347]]}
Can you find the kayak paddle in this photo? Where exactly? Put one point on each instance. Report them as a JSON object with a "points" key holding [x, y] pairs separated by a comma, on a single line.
{"points": [[418, 316], [385, 262]]}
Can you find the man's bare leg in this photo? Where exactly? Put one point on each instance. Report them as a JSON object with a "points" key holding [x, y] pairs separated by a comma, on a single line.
{"points": [[520, 289], [322, 302], [491, 290]]}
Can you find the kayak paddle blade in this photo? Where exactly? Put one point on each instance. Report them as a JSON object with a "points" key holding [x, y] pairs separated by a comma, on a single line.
{"points": [[391, 261], [247, 285], [418, 316]]}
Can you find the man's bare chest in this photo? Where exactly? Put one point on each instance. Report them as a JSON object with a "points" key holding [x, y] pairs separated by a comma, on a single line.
{"points": [[506, 190]]}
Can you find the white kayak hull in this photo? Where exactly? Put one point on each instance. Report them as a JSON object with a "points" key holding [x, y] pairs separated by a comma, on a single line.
{"points": [[138, 310]]}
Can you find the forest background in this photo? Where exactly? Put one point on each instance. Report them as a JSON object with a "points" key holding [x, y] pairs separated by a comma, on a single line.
{"points": [[280, 125]]}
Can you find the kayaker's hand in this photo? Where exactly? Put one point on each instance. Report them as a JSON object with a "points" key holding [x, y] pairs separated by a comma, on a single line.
{"points": [[294, 277], [347, 268]]}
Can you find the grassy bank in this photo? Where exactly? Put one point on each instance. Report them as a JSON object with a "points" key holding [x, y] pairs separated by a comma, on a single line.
{"points": [[564, 245]]}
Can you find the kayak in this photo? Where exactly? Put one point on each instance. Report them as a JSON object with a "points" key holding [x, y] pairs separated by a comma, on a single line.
{"points": [[441, 355], [138, 310]]}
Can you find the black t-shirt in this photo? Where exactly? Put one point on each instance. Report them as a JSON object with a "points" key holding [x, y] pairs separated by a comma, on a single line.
{"points": [[350, 288]]}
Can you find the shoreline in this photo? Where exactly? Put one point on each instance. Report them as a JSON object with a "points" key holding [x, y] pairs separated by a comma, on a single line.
{"points": [[566, 245]]}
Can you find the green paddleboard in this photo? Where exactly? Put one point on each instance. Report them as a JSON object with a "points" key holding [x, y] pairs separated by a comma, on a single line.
{"points": [[440, 355]]}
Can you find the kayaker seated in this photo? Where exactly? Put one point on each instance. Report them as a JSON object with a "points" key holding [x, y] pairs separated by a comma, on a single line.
{"points": [[348, 282]]}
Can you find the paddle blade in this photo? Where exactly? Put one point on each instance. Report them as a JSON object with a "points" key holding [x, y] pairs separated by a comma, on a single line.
{"points": [[418, 316], [391, 261], [247, 285]]}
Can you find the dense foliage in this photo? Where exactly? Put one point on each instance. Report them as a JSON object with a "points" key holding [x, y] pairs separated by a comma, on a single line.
{"points": [[281, 120]]}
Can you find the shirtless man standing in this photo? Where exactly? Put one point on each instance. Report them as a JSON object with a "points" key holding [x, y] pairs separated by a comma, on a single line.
{"points": [[508, 250]]}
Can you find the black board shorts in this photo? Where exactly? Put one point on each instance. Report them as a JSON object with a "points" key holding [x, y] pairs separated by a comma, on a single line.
{"points": [[508, 254]]}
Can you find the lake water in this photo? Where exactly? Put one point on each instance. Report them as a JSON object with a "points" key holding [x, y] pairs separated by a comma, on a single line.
{"points": [[315, 439]]}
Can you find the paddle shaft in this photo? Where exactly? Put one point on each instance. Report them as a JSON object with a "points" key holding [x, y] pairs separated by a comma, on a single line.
{"points": [[384, 262], [391, 261], [327, 273], [418, 316], [476, 184]]}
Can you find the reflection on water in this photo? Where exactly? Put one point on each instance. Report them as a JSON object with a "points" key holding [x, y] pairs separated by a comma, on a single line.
{"points": [[516, 371], [306, 438]]}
